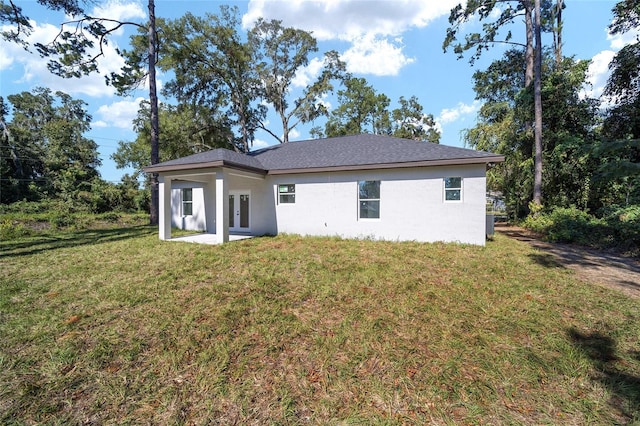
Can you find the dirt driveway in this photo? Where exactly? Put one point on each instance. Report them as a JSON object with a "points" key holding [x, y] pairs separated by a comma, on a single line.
{"points": [[598, 267]]}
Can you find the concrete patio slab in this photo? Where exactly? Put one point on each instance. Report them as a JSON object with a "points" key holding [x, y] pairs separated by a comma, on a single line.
{"points": [[210, 239]]}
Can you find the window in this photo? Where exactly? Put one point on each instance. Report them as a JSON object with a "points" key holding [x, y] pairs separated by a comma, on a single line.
{"points": [[287, 193], [187, 201], [369, 199], [453, 189]]}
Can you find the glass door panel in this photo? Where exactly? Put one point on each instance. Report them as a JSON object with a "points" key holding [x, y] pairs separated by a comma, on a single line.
{"points": [[232, 211], [244, 210]]}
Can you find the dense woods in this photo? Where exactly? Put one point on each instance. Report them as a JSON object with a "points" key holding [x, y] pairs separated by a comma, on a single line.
{"points": [[572, 163]]}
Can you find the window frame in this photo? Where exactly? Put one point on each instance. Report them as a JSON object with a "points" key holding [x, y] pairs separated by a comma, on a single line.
{"points": [[369, 200], [290, 195], [186, 202], [450, 189]]}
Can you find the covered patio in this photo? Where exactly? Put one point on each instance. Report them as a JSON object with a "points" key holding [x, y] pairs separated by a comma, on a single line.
{"points": [[225, 181]]}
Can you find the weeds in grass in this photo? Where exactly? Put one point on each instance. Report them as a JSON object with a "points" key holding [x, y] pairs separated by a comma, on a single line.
{"points": [[114, 326]]}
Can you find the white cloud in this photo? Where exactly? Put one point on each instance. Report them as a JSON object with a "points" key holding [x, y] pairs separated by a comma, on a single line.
{"points": [[374, 55], [118, 114], [304, 75], [372, 27], [294, 134], [119, 11], [598, 74], [450, 115], [618, 41], [259, 144], [344, 19]]}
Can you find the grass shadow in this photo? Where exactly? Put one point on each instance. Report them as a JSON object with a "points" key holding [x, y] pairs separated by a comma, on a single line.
{"points": [[547, 260], [56, 240], [613, 372]]}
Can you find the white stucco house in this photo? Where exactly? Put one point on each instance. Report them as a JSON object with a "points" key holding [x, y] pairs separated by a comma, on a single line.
{"points": [[362, 186]]}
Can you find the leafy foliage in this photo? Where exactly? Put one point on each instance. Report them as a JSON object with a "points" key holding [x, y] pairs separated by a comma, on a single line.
{"points": [[45, 152], [281, 52], [615, 227], [410, 122], [570, 133], [18, 24], [214, 72], [620, 145], [362, 110], [509, 11], [47, 163], [626, 16], [184, 131], [78, 45]]}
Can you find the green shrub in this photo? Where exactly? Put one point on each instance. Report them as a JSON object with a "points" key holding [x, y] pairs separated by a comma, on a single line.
{"points": [[111, 217], [28, 207], [61, 220], [571, 225], [10, 230], [539, 223], [614, 227]]}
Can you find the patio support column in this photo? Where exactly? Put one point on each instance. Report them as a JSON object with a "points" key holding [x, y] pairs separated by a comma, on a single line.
{"points": [[222, 207], [209, 203], [164, 217]]}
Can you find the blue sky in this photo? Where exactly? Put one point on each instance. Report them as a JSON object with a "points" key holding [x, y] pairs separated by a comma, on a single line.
{"points": [[395, 44]]}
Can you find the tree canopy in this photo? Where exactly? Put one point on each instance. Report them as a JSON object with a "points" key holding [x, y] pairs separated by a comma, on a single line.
{"points": [[72, 53], [44, 152], [591, 158], [361, 109]]}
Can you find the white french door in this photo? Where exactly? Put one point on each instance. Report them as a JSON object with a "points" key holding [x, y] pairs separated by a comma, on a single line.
{"points": [[239, 211]]}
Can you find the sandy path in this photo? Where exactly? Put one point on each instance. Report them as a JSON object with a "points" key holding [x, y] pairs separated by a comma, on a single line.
{"points": [[599, 267]]}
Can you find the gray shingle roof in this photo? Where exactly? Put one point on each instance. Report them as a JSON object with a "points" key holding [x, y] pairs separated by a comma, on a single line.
{"points": [[219, 155], [341, 153]]}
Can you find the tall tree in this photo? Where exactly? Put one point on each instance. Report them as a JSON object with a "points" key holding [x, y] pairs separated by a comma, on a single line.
{"points": [[213, 66], [483, 41], [620, 149], [360, 110], [185, 130], [49, 155], [537, 100], [557, 25], [281, 53], [73, 52], [410, 122], [569, 120]]}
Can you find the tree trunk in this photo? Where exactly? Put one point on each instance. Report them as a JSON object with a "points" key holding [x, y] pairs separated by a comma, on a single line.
{"points": [[537, 179], [153, 99], [529, 56], [285, 127], [557, 33]]}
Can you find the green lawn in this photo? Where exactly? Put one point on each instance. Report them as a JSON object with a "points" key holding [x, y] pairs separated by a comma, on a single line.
{"points": [[114, 326]]}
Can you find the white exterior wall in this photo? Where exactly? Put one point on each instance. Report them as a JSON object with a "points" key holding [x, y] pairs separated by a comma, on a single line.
{"points": [[195, 222], [261, 202], [412, 205]]}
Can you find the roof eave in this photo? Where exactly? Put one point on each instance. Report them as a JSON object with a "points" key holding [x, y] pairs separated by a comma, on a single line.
{"points": [[196, 166], [426, 163]]}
